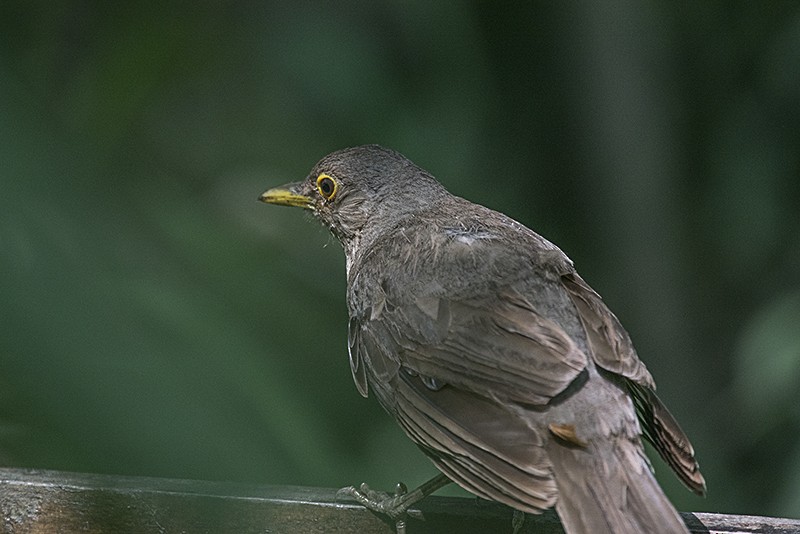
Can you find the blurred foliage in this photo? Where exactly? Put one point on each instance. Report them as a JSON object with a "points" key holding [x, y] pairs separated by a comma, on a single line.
{"points": [[157, 320]]}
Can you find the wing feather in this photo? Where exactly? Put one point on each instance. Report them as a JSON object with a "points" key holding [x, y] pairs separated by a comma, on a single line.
{"points": [[489, 449], [501, 348], [451, 372], [609, 343]]}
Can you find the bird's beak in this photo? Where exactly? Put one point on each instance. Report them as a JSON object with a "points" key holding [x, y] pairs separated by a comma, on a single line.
{"points": [[287, 195]]}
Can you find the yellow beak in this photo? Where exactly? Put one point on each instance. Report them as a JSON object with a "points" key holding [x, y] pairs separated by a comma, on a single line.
{"points": [[286, 195]]}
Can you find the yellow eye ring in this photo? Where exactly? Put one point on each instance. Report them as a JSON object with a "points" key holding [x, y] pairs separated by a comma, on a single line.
{"points": [[327, 186]]}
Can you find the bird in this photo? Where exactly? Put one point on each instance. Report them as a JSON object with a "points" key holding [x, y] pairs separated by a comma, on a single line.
{"points": [[494, 356]]}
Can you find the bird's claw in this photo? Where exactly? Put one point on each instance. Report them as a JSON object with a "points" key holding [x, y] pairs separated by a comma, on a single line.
{"points": [[395, 506]]}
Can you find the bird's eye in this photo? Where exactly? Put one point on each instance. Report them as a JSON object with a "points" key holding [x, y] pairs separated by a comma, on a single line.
{"points": [[326, 186]]}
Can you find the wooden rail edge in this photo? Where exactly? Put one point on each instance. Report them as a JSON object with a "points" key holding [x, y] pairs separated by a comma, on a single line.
{"points": [[34, 501]]}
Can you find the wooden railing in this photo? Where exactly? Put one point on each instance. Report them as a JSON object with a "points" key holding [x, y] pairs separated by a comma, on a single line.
{"points": [[58, 502]]}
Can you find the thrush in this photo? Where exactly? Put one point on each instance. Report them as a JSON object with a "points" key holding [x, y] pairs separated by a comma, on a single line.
{"points": [[490, 351]]}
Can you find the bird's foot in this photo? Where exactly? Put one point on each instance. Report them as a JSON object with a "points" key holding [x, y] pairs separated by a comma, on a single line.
{"points": [[396, 505], [393, 505]]}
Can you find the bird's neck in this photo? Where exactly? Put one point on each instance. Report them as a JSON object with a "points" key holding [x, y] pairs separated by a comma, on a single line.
{"points": [[360, 244]]}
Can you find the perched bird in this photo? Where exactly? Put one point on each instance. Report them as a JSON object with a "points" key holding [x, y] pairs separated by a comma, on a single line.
{"points": [[494, 356]]}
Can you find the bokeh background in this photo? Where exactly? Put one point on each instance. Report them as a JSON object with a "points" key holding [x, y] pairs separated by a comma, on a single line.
{"points": [[156, 320]]}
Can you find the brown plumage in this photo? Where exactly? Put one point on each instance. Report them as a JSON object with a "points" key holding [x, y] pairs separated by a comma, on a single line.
{"points": [[477, 335]]}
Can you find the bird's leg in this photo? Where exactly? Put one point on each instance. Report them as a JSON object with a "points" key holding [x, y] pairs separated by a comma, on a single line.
{"points": [[395, 506]]}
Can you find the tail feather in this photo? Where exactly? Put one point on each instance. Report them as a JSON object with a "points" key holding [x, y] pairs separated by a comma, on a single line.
{"points": [[611, 490]]}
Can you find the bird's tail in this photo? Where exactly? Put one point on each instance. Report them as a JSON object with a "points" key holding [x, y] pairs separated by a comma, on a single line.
{"points": [[612, 490]]}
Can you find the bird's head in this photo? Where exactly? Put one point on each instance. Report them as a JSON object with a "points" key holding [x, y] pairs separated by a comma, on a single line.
{"points": [[360, 190]]}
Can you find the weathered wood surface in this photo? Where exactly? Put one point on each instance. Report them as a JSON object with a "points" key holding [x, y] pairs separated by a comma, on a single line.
{"points": [[58, 502]]}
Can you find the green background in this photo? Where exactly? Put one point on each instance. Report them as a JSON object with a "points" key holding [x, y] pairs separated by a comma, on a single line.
{"points": [[156, 320]]}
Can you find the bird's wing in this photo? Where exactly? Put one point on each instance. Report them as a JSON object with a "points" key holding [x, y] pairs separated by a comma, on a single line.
{"points": [[609, 343], [461, 378], [498, 347], [611, 348], [487, 448]]}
